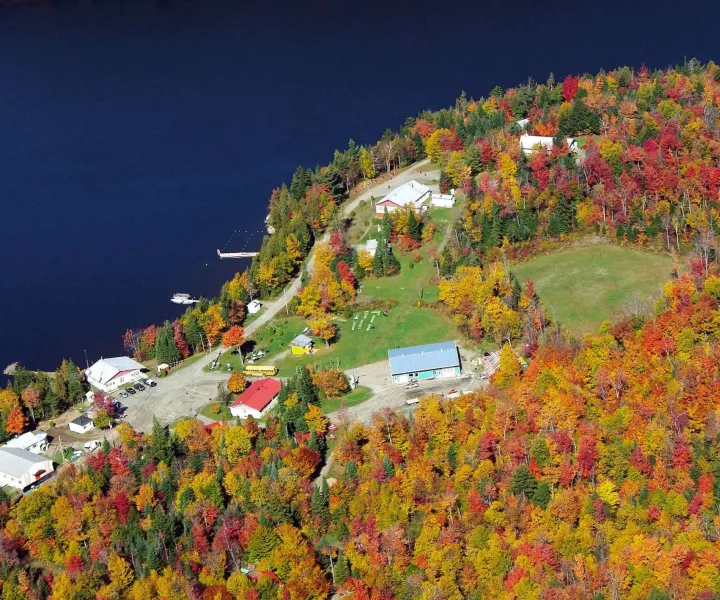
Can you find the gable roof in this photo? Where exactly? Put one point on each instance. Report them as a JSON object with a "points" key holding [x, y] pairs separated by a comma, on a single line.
{"points": [[407, 193], [26, 440], [528, 142], [16, 461], [301, 340], [107, 368], [82, 420], [423, 358], [259, 394]]}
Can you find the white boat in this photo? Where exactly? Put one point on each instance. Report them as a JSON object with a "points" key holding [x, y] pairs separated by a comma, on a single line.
{"points": [[183, 299]]}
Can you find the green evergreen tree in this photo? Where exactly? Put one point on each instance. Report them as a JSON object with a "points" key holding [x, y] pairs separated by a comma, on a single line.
{"points": [[414, 230], [305, 388], [342, 571], [350, 470], [388, 467], [540, 452], [193, 333], [522, 482], [263, 543], [301, 180], [74, 385], [541, 496], [159, 446]]}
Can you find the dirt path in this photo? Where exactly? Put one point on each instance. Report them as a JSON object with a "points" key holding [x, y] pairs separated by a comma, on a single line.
{"points": [[186, 390]]}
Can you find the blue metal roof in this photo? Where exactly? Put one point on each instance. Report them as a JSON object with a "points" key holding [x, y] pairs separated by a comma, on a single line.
{"points": [[423, 358]]}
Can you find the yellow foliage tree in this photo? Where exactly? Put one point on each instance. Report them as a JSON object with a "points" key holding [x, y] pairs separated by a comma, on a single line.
{"points": [[323, 327], [509, 367]]}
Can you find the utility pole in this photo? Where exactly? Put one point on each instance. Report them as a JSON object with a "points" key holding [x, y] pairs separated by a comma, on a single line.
{"points": [[287, 312]]}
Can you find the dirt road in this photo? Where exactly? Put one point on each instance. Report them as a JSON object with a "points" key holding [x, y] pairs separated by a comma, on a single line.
{"points": [[188, 389]]}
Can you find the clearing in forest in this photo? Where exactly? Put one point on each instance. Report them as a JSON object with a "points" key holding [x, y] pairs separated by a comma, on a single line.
{"points": [[581, 287]]}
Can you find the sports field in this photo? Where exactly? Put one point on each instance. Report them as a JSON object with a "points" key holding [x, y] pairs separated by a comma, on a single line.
{"points": [[581, 287]]}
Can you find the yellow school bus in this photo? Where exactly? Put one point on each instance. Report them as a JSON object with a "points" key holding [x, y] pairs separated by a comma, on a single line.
{"points": [[260, 371]]}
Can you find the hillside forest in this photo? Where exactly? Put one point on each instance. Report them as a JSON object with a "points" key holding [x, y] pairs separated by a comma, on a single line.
{"points": [[590, 469]]}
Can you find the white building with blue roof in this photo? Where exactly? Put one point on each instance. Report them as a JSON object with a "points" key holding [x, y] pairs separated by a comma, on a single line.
{"points": [[428, 361]]}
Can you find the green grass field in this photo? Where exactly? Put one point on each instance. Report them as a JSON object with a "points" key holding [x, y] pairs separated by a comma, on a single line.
{"points": [[357, 396], [405, 325], [581, 287]]}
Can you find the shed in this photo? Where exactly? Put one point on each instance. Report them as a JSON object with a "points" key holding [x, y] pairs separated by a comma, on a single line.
{"points": [[253, 307], [301, 344], [371, 246], [81, 424], [428, 361]]}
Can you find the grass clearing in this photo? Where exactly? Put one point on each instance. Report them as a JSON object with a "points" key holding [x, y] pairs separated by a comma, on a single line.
{"points": [[208, 411], [357, 396], [581, 287], [405, 325]]}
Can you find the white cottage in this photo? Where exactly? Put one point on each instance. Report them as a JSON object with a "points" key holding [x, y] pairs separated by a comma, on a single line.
{"points": [[20, 468], [529, 142], [412, 192], [82, 424], [108, 374]]}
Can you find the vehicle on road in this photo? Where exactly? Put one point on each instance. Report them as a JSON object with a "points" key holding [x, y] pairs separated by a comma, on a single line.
{"points": [[260, 370], [123, 394], [130, 391], [411, 385], [332, 427], [412, 401], [139, 387], [150, 383]]}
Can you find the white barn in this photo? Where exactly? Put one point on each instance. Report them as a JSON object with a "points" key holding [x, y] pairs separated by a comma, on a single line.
{"points": [[412, 192], [528, 143], [257, 400], [36, 443], [108, 374], [20, 468], [443, 200]]}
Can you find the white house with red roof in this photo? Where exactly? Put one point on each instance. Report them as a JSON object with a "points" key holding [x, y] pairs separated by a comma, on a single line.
{"points": [[257, 400], [109, 374], [412, 192]]}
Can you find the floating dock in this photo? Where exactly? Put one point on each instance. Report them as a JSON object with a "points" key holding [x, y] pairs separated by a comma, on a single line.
{"points": [[236, 254]]}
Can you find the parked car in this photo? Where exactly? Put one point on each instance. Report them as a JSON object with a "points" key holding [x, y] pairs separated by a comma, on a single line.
{"points": [[332, 427], [130, 391], [150, 383], [123, 394], [92, 445], [411, 385], [139, 387]]}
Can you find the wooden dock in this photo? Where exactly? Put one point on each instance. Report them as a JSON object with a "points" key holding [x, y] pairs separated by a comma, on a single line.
{"points": [[236, 254]]}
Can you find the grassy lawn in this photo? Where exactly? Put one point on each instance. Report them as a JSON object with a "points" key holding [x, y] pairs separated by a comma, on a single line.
{"points": [[357, 396], [362, 223], [405, 325], [223, 415], [273, 337], [581, 287]]}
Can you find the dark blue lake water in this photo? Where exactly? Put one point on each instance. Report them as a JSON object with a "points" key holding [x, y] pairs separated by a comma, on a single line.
{"points": [[135, 137]]}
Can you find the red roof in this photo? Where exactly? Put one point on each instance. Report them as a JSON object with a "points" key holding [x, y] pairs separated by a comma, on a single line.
{"points": [[213, 425], [259, 394]]}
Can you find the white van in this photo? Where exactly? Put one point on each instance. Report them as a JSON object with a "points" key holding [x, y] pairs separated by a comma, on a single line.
{"points": [[92, 445]]}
